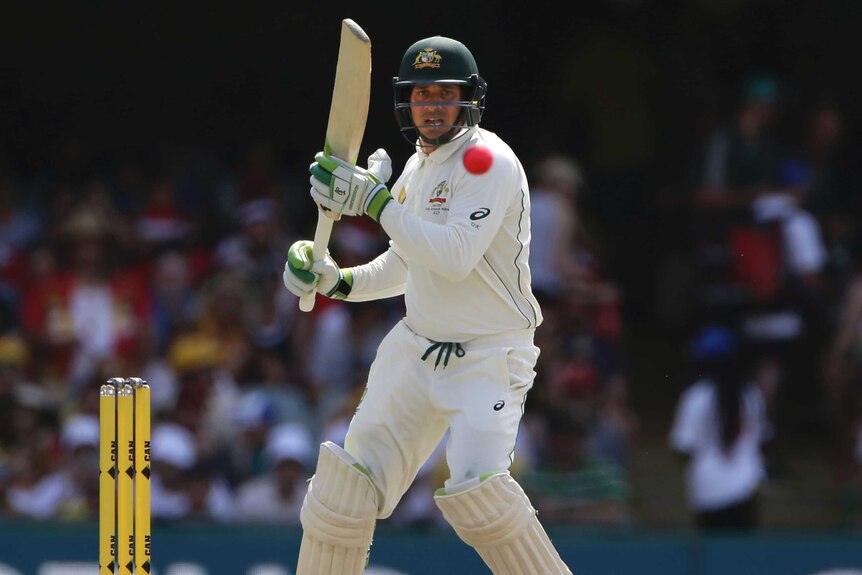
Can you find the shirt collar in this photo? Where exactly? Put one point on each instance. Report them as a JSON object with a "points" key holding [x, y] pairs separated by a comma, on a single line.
{"points": [[444, 152]]}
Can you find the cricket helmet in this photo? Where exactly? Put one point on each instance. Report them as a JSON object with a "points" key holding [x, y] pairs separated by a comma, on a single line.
{"points": [[439, 60]]}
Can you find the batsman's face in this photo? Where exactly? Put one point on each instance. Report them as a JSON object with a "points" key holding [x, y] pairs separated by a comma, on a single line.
{"points": [[434, 108]]}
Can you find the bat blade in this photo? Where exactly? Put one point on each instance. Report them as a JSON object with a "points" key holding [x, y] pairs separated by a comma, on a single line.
{"points": [[351, 94], [348, 113]]}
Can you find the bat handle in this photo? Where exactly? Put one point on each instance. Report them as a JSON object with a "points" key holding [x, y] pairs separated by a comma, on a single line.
{"points": [[321, 242]]}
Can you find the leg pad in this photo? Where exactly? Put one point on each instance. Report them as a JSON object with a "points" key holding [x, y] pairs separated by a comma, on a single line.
{"points": [[338, 516], [495, 517]]}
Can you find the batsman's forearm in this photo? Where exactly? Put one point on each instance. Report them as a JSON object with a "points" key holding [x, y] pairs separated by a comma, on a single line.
{"points": [[383, 277]]}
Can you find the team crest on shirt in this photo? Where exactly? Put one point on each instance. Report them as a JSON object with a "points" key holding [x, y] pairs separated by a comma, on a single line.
{"points": [[438, 199], [427, 58]]}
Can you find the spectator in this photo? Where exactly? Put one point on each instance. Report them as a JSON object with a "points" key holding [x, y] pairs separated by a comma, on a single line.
{"points": [[842, 362], [270, 315], [738, 162], [554, 217], [69, 492], [741, 156], [571, 485], [803, 248], [616, 423], [223, 318], [181, 488], [20, 229], [28, 436], [259, 247], [278, 379], [276, 495], [831, 196], [14, 363], [255, 416], [176, 302], [88, 313], [161, 224], [780, 259], [20, 226], [361, 326], [207, 396], [175, 298], [719, 429]]}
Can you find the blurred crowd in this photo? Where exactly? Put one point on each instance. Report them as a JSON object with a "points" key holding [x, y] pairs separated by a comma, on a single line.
{"points": [[771, 253], [173, 274], [170, 270]]}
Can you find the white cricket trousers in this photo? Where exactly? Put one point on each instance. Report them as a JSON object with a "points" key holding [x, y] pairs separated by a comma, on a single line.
{"points": [[409, 404]]}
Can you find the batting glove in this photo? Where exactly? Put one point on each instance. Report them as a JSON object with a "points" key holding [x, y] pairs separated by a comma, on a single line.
{"points": [[340, 188], [380, 165], [303, 276]]}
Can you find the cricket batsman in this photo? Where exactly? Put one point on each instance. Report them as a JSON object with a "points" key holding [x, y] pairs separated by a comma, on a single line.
{"points": [[462, 359]]}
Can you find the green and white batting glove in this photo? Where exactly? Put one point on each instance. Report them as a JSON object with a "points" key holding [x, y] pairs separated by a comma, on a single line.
{"points": [[303, 276], [340, 188]]}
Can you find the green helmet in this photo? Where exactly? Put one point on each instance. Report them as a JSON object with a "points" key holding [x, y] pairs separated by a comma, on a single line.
{"points": [[439, 60]]}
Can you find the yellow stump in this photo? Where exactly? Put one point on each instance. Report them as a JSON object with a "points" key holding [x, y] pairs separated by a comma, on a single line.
{"points": [[142, 476], [125, 479], [107, 478]]}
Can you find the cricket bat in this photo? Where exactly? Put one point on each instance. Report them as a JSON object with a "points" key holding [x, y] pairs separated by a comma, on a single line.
{"points": [[347, 115]]}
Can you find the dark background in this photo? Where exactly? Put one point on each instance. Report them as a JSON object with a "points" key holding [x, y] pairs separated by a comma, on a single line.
{"points": [[138, 75]]}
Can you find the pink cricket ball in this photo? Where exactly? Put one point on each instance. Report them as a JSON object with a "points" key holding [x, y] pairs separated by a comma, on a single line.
{"points": [[478, 159]]}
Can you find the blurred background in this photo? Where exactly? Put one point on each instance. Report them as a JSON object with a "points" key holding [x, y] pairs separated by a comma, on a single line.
{"points": [[697, 241]]}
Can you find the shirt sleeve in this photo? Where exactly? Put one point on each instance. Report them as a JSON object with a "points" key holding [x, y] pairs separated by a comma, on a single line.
{"points": [[384, 276], [452, 249], [687, 424]]}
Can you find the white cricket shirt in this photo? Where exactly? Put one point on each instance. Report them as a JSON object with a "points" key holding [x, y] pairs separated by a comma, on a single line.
{"points": [[716, 478], [459, 246]]}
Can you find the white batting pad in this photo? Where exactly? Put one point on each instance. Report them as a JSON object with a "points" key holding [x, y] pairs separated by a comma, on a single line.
{"points": [[495, 517], [338, 516]]}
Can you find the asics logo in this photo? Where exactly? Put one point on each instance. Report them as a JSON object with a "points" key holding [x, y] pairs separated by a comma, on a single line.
{"points": [[479, 214], [499, 405]]}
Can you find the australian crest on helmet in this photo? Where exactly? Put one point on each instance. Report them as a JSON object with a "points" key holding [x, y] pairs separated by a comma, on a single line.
{"points": [[427, 58]]}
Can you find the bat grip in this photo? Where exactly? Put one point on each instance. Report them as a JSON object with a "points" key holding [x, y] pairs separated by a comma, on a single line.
{"points": [[321, 242]]}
